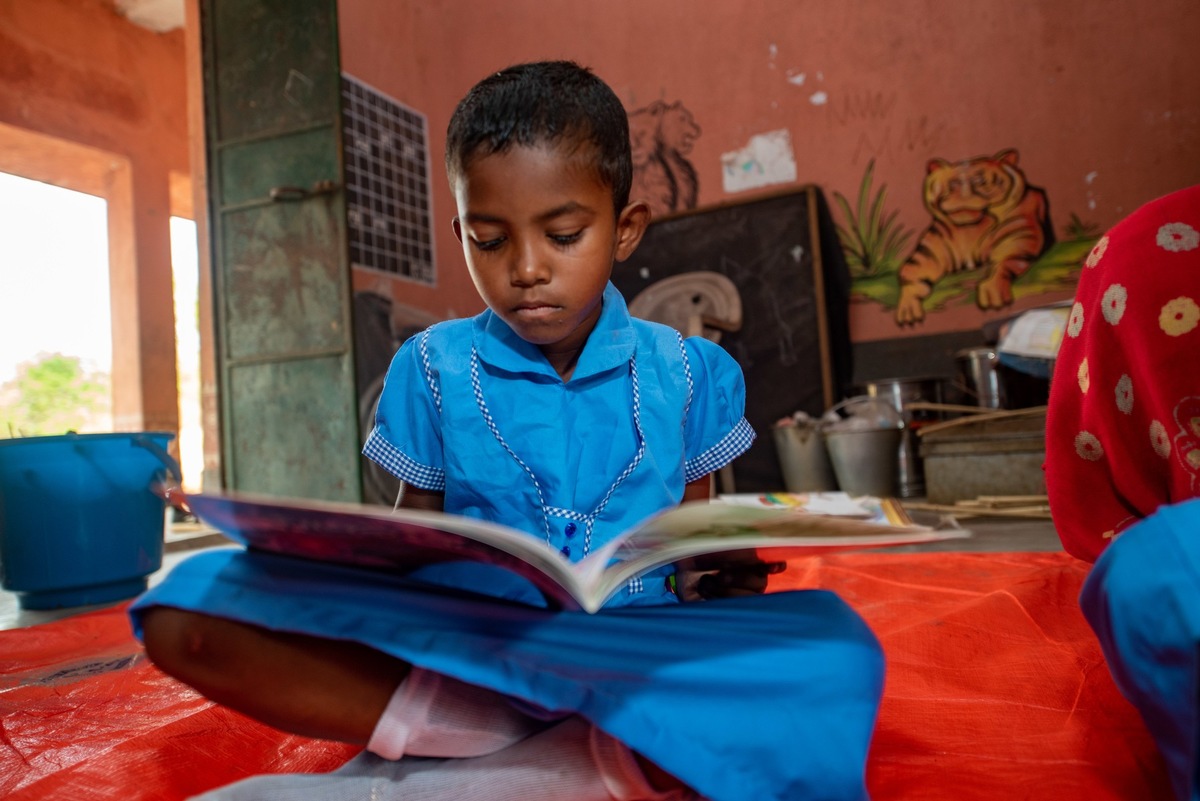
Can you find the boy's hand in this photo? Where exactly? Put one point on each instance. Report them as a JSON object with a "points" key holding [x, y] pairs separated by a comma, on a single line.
{"points": [[723, 575]]}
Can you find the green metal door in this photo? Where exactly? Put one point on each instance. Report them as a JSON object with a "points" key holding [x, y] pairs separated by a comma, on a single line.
{"points": [[281, 280]]}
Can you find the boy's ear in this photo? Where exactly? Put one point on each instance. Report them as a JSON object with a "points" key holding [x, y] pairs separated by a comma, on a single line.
{"points": [[631, 225], [457, 229]]}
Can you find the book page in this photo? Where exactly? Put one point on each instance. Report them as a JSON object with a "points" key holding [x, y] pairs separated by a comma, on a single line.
{"points": [[888, 511], [375, 537], [1036, 333], [405, 539], [833, 504], [775, 533], [717, 523]]}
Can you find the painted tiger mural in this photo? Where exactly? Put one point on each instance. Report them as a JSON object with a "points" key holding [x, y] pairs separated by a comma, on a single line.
{"points": [[985, 217]]}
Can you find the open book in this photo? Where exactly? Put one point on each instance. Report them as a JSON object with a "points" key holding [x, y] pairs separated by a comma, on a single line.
{"points": [[405, 539]]}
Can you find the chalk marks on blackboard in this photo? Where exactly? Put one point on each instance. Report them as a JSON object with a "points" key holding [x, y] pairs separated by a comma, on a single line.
{"points": [[767, 249], [763, 277]]}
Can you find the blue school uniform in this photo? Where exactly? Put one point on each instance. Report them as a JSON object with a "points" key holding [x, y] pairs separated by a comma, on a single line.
{"points": [[771, 697], [471, 409]]}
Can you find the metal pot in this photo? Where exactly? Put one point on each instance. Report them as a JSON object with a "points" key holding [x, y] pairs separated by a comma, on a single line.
{"points": [[979, 377], [901, 392]]}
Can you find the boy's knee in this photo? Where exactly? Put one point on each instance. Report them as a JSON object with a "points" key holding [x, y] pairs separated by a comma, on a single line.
{"points": [[177, 642]]}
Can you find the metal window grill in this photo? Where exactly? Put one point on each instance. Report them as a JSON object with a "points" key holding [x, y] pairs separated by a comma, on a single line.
{"points": [[386, 155]]}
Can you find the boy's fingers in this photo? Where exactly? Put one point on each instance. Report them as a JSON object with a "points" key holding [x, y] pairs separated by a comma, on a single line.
{"points": [[747, 579], [730, 560]]}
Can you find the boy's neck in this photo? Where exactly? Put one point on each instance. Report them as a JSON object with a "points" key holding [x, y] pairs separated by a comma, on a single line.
{"points": [[564, 354], [563, 361]]}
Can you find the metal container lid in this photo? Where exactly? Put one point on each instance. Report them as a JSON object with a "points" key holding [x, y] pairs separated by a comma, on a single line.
{"points": [[1004, 435]]}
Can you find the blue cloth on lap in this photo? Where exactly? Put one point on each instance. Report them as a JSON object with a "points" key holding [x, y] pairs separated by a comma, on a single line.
{"points": [[1142, 598], [769, 698]]}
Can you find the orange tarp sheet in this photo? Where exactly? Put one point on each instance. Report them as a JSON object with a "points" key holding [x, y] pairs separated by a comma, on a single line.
{"points": [[996, 689]]}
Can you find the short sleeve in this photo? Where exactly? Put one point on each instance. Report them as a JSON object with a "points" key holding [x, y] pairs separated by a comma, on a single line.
{"points": [[407, 437], [716, 430]]}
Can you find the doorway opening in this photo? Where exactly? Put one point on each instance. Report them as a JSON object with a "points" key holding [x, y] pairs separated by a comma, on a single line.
{"points": [[73, 314], [55, 314]]}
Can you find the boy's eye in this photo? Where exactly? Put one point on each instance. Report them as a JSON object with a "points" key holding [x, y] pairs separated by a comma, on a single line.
{"points": [[566, 239], [488, 244]]}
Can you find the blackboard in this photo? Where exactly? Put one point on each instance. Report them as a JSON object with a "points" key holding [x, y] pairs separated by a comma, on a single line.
{"points": [[770, 250]]}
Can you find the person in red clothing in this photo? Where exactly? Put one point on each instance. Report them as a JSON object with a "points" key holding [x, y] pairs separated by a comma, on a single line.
{"points": [[1123, 464], [1123, 429]]}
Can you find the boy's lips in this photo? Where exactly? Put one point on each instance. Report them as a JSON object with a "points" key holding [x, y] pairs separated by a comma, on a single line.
{"points": [[535, 309]]}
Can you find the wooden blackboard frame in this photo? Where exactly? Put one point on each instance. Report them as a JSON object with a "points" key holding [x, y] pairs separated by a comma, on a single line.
{"points": [[769, 246]]}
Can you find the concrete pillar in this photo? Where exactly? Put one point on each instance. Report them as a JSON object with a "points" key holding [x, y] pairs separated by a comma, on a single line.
{"points": [[143, 315]]}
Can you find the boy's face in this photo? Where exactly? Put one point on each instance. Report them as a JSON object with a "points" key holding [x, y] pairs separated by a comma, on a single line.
{"points": [[540, 237]]}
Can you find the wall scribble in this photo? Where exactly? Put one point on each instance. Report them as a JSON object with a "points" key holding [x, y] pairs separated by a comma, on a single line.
{"points": [[661, 136]]}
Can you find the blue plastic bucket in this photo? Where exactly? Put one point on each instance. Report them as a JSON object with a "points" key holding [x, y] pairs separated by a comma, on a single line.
{"points": [[80, 521]]}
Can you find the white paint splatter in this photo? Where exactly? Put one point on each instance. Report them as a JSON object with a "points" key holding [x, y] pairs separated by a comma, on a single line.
{"points": [[797, 253], [820, 75], [766, 159], [644, 273], [818, 98], [1091, 176], [298, 88], [773, 50], [796, 78]]}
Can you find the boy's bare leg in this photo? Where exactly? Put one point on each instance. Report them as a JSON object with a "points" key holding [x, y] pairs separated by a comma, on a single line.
{"points": [[311, 686], [315, 687]]}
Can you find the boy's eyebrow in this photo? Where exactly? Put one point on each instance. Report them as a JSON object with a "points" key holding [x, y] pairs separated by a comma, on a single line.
{"points": [[566, 208], [558, 211]]}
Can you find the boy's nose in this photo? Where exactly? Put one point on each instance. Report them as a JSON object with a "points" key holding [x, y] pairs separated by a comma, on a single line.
{"points": [[530, 268]]}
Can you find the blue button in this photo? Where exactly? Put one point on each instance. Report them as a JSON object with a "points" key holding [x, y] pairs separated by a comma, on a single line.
{"points": [[570, 530], [566, 551]]}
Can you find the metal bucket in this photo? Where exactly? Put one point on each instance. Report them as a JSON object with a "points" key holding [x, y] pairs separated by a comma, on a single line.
{"points": [[864, 461], [901, 392], [804, 459]]}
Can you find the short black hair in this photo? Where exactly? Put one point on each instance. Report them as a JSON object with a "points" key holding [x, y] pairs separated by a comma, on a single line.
{"points": [[545, 102]]}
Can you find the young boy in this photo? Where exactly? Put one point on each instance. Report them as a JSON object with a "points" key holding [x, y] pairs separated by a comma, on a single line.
{"points": [[556, 413], [538, 160]]}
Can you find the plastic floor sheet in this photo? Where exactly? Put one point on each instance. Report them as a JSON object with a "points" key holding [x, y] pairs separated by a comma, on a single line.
{"points": [[996, 688]]}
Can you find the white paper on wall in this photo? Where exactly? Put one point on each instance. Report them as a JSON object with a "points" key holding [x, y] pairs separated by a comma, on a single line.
{"points": [[766, 159]]}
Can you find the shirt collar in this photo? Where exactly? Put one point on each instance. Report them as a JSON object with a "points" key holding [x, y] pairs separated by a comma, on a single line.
{"points": [[610, 344]]}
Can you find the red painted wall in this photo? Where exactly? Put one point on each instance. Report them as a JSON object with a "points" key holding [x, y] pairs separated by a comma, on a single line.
{"points": [[77, 71], [1102, 101]]}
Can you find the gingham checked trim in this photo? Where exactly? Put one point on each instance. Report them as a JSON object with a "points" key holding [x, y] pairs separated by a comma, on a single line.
{"points": [[687, 373], [588, 520], [731, 445], [398, 464], [423, 347]]}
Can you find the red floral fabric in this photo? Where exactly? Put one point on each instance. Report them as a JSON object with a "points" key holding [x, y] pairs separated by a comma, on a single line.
{"points": [[1123, 427]]}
